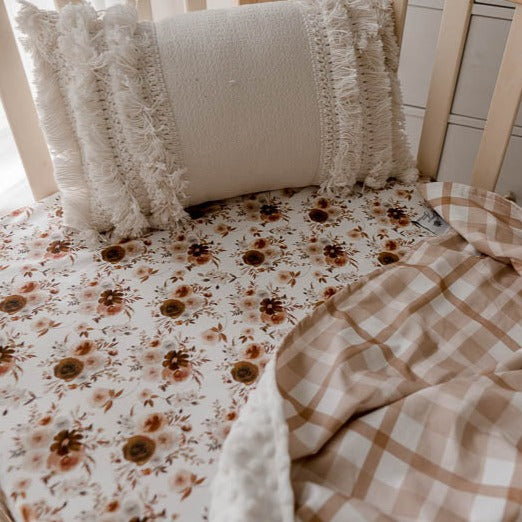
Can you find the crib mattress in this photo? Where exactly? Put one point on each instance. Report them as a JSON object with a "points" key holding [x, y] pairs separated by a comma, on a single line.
{"points": [[122, 368]]}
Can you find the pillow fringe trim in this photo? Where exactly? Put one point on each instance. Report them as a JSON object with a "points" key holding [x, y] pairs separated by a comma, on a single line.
{"points": [[39, 27], [344, 75], [79, 31], [164, 179]]}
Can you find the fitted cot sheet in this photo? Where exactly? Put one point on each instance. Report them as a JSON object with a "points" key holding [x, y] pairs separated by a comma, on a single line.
{"points": [[123, 368]]}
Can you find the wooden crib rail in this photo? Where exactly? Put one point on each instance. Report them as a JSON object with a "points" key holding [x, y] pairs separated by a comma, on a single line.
{"points": [[456, 17]]}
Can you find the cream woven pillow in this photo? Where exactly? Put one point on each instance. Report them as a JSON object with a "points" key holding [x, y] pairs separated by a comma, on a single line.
{"points": [[144, 119]]}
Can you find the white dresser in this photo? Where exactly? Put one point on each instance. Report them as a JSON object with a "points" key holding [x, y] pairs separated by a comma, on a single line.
{"points": [[487, 36]]}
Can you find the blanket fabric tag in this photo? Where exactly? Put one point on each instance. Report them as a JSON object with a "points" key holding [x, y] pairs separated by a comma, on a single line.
{"points": [[431, 221]]}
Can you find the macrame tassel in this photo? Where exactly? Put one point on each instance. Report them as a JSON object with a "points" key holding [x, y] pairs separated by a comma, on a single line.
{"points": [[344, 75], [39, 28], [163, 179], [79, 33]]}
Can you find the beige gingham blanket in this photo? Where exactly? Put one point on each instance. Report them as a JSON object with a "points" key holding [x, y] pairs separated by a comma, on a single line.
{"points": [[400, 397]]}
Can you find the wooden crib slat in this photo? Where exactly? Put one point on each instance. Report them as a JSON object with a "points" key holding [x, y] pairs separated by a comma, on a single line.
{"points": [[450, 48], [144, 10], [21, 113], [195, 5], [502, 111]]}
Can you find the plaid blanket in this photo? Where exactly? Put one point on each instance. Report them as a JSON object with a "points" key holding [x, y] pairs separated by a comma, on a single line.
{"points": [[400, 397]]}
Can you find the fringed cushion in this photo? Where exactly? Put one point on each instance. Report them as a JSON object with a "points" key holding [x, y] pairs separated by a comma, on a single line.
{"points": [[145, 119]]}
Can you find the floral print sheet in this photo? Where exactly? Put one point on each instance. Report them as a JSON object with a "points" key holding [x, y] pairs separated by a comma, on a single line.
{"points": [[123, 368]]}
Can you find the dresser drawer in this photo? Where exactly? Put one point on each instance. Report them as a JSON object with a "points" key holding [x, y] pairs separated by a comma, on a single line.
{"points": [[480, 64], [418, 51], [460, 149]]}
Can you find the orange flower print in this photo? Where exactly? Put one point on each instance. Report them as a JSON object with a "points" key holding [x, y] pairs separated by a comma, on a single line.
{"points": [[253, 351], [84, 348], [29, 287], [39, 438], [153, 422], [183, 291], [391, 245], [99, 397], [329, 292]]}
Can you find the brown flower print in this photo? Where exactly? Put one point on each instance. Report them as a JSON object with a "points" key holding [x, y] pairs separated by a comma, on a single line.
{"points": [[176, 359], [245, 372], [198, 254], [66, 441], [110, 302], [58, 249], [6, 359], [387, 258], [398, 216], [6, 354], [68, 368], [253, 258], [172, 308], [270, 212], [12, 304], [110, 298], [271, 306], [272, 311], [139, 449], [113, 254], [335, 255], [197, 211], [318, 215]]}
